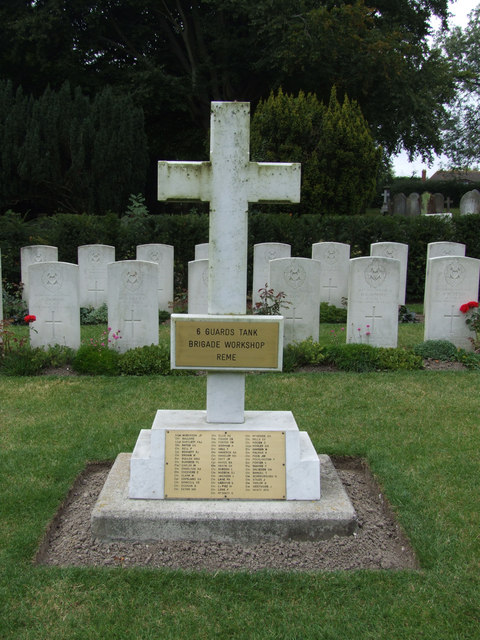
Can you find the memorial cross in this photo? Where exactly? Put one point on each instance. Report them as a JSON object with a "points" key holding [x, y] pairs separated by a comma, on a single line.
{"points": [[229, 182], [96, 289], [293, 318], [372, 317], [329, 286], [53, 322], [132, 320], [451, 315]]}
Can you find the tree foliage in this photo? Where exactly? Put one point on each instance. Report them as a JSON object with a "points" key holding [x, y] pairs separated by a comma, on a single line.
{"points": [[175, 56], [64, 151], [462, 138], [333, 142]]}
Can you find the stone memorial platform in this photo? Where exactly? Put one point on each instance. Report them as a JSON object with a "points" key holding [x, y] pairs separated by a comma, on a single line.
{"points": [[117, 517]]}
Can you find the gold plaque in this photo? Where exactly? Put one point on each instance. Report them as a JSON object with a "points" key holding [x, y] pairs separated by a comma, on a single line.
{"points": [[226, 344], [219, 465]]}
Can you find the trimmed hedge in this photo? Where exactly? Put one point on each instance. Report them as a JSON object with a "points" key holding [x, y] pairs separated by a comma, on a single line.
{"points": [[67, 232]]}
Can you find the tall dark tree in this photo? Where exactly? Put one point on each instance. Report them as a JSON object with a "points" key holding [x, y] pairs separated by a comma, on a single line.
{"points": [[175, 56], [66, 152]]}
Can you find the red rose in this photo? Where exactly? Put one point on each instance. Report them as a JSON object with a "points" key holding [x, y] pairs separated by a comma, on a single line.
{"points": [[464, 307], [30, 318], [472, 304]]}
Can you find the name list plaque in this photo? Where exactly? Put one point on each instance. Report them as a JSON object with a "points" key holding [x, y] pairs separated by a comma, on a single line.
{"points": [[246, 343], [222, 465]]}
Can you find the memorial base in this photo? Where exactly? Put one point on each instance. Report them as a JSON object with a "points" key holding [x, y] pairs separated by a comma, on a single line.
{"points": [[118, 517], [202, 473]]}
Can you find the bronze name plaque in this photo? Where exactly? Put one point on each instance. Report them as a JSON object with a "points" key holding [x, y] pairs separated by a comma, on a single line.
{"points": [[209, 343], [219, 465]]}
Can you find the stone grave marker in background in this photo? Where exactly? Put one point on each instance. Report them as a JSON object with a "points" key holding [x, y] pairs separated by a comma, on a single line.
{"points": [[54, 300], [198, 286], [413, 205], [262, 254], [438, 203], [33, 255], [470, 202], [397, 251], [372, 315], [163, 255], [299, 279], [444, 248], [201, 251], [132, 303], [334, 260], [425, 202], [450, 282], [92, 261], [399, 204]]}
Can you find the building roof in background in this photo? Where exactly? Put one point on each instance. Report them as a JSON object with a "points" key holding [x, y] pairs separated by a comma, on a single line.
{"points": [[457, 174]]}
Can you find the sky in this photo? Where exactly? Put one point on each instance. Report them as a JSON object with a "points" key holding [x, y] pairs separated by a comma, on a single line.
{"points": [[401, 166]]}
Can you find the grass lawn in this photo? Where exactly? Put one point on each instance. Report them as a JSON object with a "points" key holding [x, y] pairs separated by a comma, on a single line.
{"points": [[419, 431]]}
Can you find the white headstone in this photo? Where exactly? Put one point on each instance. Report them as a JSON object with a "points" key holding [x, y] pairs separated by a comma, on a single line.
{"points": [[470, 202], [54, 301], [334, 260], [92, 261], [372, 315], [201, 251], [33, 255], [262, 254], [132, 303], [451, 281], [198, 286], [440, 249], [299, 279], [397, 251], [163, 255]]}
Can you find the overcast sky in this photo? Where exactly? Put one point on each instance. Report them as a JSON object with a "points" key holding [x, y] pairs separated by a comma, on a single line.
{"points": [[402, 167]]}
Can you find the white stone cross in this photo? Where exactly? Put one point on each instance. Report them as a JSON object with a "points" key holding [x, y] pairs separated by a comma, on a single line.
{"points": [[132, 320], [372, 317], [451, 315], [53, 322], [229, 181], [329, 286]]}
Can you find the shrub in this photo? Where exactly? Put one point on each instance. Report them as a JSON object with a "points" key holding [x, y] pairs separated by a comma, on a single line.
{"points": [[437, 350], [394, 359], [93, 360], [330, 314], [470, 360], [354, 357], [299, 354], [23, 361], [406, 315], [92, 315]]}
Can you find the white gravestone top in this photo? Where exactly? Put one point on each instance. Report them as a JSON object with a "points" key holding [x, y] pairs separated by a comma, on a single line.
{"points": [[229, 181]]}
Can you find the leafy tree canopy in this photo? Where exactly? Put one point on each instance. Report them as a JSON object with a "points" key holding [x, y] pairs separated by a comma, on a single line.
{"points": [[462, 137], [175, 56]]}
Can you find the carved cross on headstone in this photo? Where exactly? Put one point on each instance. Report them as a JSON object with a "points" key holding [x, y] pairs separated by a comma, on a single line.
{"points": [[372, 317], [229, 181], [329, 286], [452, 315], [53, 322], [133, 321]]}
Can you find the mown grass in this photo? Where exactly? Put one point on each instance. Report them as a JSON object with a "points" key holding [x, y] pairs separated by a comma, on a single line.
{"points": [[418, 430]]}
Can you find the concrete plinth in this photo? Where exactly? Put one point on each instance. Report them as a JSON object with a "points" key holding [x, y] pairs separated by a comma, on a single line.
{"points": [[118, 517]]}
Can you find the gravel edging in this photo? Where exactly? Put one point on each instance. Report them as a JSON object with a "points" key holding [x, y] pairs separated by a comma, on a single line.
{"points": [[379, 542]]}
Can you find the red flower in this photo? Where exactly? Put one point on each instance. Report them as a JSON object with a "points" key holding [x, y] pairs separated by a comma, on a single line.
{"points": [[29, 318], [464, 307], [472, 304]]}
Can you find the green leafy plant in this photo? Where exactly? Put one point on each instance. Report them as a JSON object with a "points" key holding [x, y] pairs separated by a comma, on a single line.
{"points": [[395, 359], [354, 357], [472, 319], [299, 354], [406, 315], [330, 314], [436, 350], [271, 303], [180, 302], [93, 361], [23, 361], [94, 315], [148, 360], [14, 307]]}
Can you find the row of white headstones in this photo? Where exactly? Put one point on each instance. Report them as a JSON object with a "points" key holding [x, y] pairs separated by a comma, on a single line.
{"points": [[374, 287]]}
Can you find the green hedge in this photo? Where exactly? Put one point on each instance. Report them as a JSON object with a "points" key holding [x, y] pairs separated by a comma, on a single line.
{"points": [[67, 232]]}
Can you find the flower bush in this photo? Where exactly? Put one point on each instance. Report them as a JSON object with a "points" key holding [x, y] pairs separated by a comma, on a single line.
{"points": [[271, 303], [472, 319]]}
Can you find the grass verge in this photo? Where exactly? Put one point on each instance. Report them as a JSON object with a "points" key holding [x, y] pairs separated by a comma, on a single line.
{"points": [[418, 430]]}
